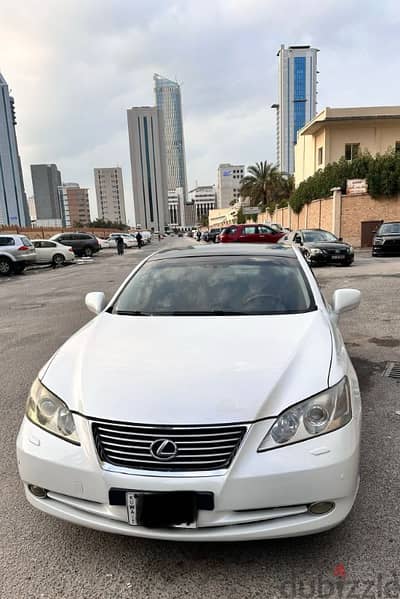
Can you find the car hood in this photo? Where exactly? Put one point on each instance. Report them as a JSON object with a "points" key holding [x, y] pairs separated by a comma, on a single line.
{"points": [[191, 370], [328, 245]]}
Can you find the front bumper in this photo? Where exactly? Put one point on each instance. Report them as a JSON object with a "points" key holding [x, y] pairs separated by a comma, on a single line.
{"points": [[324, 259], [262, 495]]}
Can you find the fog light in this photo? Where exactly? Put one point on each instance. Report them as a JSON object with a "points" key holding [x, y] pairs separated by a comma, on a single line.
{"points": [[38, 491], [321, 507]]}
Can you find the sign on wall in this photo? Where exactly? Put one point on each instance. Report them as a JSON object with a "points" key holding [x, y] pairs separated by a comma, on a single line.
{"points": [[251, 210], [356, 186]]}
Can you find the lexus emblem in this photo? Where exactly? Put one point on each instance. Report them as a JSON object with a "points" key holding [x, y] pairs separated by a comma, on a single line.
{"points": [[163, 449]]}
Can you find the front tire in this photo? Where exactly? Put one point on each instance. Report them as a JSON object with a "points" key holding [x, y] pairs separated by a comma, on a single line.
{"points": [[58, 260]]}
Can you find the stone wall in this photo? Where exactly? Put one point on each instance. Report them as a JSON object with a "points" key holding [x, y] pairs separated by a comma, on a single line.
{"points": [[354, 209]]}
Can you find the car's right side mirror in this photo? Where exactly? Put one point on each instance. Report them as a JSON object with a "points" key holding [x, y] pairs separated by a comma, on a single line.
{"points": [[95, 301], [344, 300]]}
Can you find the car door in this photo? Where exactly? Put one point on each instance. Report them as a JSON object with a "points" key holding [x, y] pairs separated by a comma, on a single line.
{"points": [[48, 250], [267, 234], [39, 251], [248, 234]]}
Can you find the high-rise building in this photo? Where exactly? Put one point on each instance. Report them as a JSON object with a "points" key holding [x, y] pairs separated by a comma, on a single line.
{"points": [[148, 164], [203, 199], [74, 202], [169, 101], [229, 177], [297, 99], [110, 194], [13, 203], [46, 179]]}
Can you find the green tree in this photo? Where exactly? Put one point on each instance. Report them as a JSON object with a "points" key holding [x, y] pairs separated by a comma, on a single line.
{"points": [[265, 185]]}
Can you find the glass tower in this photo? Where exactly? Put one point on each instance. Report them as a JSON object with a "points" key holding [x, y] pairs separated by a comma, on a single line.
{"points": [[297, 99], [169, 102], [13, 203]]}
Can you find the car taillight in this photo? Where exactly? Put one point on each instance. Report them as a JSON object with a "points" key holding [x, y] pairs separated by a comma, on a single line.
{"points": [[70, 250], [23, 247]]}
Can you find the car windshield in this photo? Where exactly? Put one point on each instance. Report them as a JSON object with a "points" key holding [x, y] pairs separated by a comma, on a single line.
{"points": [[389, 229], [318, 236], [223, 285]]}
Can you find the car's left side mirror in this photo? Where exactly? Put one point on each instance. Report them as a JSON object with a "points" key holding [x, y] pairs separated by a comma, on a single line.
{"points": [[345, 299], [95, 301]]}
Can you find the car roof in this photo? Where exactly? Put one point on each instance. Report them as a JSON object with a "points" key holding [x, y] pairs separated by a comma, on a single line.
{"points": [[226, 249]]}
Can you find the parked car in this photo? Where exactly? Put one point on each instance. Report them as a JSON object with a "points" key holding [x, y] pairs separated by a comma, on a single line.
{"points": [[321, 247], [387, 239], [213, 235], [16, 252], [83, 244], [250, 234], [52, 252], [272, 451], [129, 240], [103, 243]]}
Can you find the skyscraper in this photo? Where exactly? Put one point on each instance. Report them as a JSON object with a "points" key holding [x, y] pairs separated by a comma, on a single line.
{"points": [[110, 194], [46, 179], [297, 99], [149, 179], [74, 201], [13, 203], [168, 100]]}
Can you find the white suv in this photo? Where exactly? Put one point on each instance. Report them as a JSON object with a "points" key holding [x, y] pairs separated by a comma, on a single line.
{"points": [[16, 252]]}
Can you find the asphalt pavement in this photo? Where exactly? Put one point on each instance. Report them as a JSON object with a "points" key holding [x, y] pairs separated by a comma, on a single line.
{"points": [[44, 558]]}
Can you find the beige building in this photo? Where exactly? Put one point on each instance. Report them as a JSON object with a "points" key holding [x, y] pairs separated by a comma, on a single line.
{"points": [[74, 202], [337, 132], [229, 177], [221, 217], [110, 194]]}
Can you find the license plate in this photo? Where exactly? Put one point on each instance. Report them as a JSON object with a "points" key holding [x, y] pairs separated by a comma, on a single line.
{"points": [[132, 508], [162, 510], [337, 257]]}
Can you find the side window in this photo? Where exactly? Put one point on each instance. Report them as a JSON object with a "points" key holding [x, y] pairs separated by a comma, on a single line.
{"points": [[7, 241], [249, 230], [264, 229], [297, 237], [37, 244], [48, 244]]}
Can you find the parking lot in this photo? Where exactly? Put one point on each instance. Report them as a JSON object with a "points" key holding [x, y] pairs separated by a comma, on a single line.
{"points": [[46, 558]]}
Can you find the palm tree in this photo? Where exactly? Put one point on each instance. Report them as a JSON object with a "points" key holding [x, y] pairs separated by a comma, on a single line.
{"points": [[265, 185]]}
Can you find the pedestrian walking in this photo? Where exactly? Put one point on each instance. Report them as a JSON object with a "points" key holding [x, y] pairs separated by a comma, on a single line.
{"points": [[120, 245], [198, 235], [139, 239]]}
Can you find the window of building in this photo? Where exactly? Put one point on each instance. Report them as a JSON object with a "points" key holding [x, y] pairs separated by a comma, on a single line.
{"points": [[397, 147], [351, 151], [320, 156]]}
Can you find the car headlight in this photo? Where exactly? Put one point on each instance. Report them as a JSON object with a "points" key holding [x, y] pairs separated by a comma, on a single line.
{"points": [[378, 241], [315, 416], [350, 250], [50, 413], [315, 251]]}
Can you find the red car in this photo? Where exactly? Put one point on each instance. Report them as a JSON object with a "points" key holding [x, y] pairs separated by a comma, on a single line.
{"points": [[250, 234]]}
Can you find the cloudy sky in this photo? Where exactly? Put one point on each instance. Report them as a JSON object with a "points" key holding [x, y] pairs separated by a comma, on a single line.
{"points": [[75, 66]]}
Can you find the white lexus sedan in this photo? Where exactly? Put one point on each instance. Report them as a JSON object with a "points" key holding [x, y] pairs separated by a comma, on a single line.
{"points": [[251, 432]]}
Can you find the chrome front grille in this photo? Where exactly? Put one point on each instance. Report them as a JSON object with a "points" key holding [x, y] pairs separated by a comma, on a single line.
{"points": [[190, 448]]}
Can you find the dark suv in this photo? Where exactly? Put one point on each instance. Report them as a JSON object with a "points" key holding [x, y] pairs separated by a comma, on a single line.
{"points": [[83, 244], [250, 234], [387, 240]]}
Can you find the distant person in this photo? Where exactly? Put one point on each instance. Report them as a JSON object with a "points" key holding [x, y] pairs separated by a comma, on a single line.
{"points": [[120, 245], [159, 237], [198, 235], [139, 239]]}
